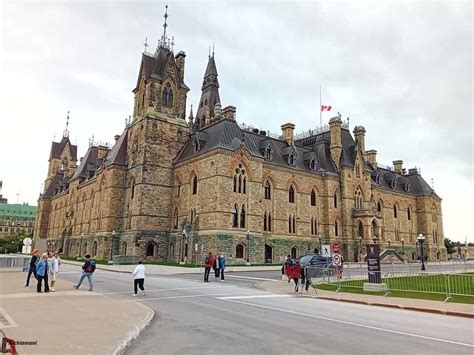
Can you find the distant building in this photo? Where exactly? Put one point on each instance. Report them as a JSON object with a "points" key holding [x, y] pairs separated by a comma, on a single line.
{"points": [[2, 199], [16, 218]]}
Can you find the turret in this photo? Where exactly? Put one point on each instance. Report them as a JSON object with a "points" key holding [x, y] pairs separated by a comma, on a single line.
{"points": [[336, 140], [287, 131]]}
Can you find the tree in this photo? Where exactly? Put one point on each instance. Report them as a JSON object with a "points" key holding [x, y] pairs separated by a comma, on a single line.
{"points": [[450, 246], [11, 243]]}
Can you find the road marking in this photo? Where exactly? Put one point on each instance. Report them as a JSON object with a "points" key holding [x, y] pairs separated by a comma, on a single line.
{"points": [[353, 324], [252, 296], [186, 296], [250, 278], [165, 289], [6, 321]]}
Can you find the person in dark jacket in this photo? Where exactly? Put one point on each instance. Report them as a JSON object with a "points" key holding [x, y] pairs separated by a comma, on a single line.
{"points": [[87, 270], [208, 262], [216, 267], [222, 265], [32, 269], [42, 273], [296, 274]]}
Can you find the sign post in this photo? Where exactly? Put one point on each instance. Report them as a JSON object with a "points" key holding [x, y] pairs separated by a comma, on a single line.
{"points": [[326, 250], [373, 263]]}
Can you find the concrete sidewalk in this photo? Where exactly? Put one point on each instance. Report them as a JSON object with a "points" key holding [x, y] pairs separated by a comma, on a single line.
{"points": [[448, 308], [173, 270], [67, 321]]}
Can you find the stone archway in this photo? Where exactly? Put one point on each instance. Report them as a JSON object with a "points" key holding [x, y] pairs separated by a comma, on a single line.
{"points": [[268, 254]]}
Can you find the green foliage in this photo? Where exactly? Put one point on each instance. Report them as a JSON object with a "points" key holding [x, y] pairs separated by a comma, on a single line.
{"points": [[12, 243], [450, 246]]}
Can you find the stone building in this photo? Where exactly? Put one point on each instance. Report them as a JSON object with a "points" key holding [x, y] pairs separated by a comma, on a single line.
{"points": [[172, 188], [15, 217]]}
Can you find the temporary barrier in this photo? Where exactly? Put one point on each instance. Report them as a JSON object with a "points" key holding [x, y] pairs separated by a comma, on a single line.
{"points": [[125, 259], [10, 262]]}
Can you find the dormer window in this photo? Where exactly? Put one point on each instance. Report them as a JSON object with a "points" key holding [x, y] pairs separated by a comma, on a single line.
{"points": [[196, 145], [268, 153], [312, 164], [291, 159], [167, 96]]}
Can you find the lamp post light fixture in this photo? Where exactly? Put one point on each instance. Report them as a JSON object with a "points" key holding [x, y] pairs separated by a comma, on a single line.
{"points": [[374, 239], [248, 247], [112, 247], [360, 248], [389, 243], [320, 238], [403, 246], [421, 238]]}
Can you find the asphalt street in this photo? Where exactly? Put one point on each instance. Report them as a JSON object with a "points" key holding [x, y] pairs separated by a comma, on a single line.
{"points": [[234, 317]]}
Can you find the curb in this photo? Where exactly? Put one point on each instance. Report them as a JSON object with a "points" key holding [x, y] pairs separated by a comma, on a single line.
{"points": [[136, 331]]}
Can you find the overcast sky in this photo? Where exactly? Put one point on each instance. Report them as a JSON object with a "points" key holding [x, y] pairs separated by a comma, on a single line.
{"points": [[403, 70]]}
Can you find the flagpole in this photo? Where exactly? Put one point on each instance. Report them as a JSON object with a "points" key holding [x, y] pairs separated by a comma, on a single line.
{"points": [[320, 109]]}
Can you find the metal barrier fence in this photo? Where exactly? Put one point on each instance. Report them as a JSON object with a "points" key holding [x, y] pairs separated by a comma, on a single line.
{"points": [[447, 284], [10, 262], [125, 259]]}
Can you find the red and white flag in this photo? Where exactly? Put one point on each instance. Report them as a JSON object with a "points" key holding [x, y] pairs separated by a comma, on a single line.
{"points": [[325, 108]]}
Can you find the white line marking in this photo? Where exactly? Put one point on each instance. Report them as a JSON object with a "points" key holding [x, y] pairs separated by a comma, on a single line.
{"points": [[165, 289], [250, 278], [352, 323], [252, 296], [8, 318], [186, 296]]}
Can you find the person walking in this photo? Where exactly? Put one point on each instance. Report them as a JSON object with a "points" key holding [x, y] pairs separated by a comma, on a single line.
{"points": [[288, 266], [42, 273], [216, 267], [53, 272], [222, 266], [296, 274], [87, 270], [32, 270], [139, 279], [208, 262]]}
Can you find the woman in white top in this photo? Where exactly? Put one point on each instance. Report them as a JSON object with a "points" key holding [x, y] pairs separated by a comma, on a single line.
{"points": [[139, 278], [53, 270]]}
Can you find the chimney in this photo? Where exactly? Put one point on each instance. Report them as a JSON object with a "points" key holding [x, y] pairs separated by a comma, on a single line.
{"points": [[287, 131], [229, 112], [180, 59], [101, 152], [217, 111], [413, 171], [398, 166], [359, 134], [372, 157], [336, 141]]}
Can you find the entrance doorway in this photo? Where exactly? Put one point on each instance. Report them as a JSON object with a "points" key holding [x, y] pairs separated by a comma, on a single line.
{"points": [[268, 254], [294, 253]]}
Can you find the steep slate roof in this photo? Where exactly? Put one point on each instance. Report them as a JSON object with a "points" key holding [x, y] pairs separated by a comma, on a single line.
{"points": [[57, 148], [57, 181], [88, 163], [413, 184], [118, 154]]}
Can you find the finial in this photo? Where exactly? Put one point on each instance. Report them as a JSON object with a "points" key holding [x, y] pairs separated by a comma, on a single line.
{"points": [[348, 121], [432, 183], [162, 42], [213, 43], [339, 114], [209, 52], [145, 44], [66, 132], [172, 43]]}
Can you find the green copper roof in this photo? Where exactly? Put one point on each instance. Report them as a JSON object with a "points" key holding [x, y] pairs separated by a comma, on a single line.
{"points": [[17, 211]]}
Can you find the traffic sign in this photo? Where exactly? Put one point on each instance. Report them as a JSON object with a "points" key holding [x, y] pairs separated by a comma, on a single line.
{"points": [[326, 250], [27, 242], [336, 248], [336, 259]]}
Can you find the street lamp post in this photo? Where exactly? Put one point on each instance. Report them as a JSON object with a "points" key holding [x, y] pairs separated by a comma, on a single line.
{"points": [[112, 246], [360, 248], [183, 246], [389, 243], [248, 247], [320, 237], [403, 247], [421, 238]]}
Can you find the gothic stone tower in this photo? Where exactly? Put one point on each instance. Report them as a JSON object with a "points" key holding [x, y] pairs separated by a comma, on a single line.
{"points": [[156, 134]]}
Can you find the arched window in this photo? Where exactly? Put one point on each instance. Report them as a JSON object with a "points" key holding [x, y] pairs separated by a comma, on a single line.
{"points": [[357, 168], [268, 153], [312, 226], [240, 180], [358, 200], [294, 224], [176, 218], [291, 194], [312, 164], [379, 207], [167, 96], [150, 249], [409, 214], [239, 251], [434, 214], [94, 248], [291, 159], [335, 200], [195, 184], [313, 198], [197, 146], [265, 228], [289, 224], [267, 190], [336, 229], [132, 188], [394, 211], [269, 222], [124, 248], [242, 217], [235, 220]]}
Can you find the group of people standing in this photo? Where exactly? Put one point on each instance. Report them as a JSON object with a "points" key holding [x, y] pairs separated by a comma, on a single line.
{"points": [[293, 271], [44, 268], [217, 263]]}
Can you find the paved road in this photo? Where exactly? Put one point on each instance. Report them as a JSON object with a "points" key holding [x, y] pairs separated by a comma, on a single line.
{"points": [[236, 318]]}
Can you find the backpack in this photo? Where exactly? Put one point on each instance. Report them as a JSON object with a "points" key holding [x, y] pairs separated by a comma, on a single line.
{"points": [[90, 267], [207, 260]]}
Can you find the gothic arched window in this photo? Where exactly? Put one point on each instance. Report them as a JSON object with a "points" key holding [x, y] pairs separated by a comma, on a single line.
{"points": [[240, 180], [195, 184], [167, 96], [242, 217], [267, 189], [313, 198], [235, 221], [291, 194]]}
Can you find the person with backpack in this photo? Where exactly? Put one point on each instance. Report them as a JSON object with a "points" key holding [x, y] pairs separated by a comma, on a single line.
{"points": [[139, 279], [42, 273], [87, 270], [208, 262], [32, 269]]}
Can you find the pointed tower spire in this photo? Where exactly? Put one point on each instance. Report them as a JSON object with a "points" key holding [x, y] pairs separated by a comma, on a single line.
{"points": [[66, 131], [164, 41], [209, 93], [191, 117]]}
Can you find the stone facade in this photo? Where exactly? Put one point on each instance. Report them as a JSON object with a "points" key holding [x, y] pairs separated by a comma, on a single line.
{"points": [[168, 189]]}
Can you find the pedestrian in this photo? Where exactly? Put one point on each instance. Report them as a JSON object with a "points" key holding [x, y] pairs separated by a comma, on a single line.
{"points": [[87, 270], [288, 265], [139, 279], [222, 266], [296, 274], [216, 267], [32, 270], [208, 262], [53, 272], [42, 273]]}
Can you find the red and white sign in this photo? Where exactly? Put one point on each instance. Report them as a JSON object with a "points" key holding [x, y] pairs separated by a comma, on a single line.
{"points": [[336, 259], [336, 248]]}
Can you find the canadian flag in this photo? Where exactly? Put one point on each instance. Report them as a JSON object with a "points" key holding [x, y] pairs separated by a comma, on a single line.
{"points": [[326, 108]]}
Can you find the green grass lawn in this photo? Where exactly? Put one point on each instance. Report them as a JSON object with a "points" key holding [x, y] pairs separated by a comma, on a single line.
{"points": [[429, 287]]}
